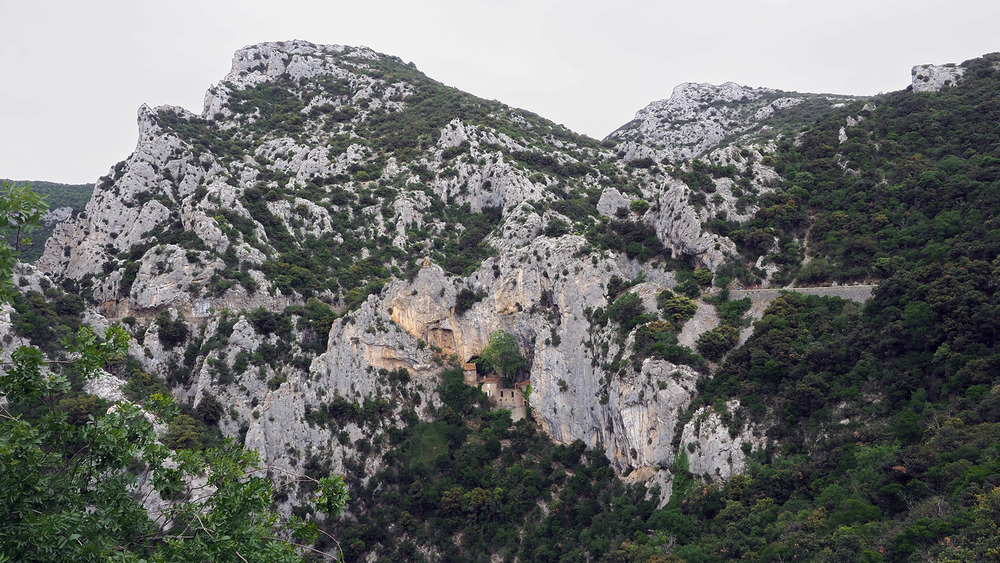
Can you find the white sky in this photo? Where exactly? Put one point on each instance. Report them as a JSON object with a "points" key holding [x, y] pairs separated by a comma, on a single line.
{"points": [[74, 72]]}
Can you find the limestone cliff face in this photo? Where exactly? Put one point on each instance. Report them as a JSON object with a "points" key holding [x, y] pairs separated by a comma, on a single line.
{"points": [[160, 193], [320, 176], [697, 117], [700, 117], [167, 226], [717, 450], [75, 248], [543, 297], [931, 78]]}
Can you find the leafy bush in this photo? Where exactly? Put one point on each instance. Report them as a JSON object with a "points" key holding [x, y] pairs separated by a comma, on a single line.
{"points": [[185, 433], [209, 409], [264, 322], [556, 227], [320, 317], [629, 312], [659, 341], [639, 206], [503, 355], [466, 298], [731, 312], [636, 239], [703, 277], [676, 308], [690, 288], [172, 332], [713, 344]]}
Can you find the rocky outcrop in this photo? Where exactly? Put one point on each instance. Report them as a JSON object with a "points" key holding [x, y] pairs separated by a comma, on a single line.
{"points": [[290, 168], [931, 78], [57, 215], [644, 414], [126, 245], [8, 336], [717, 450], [698, 117], [541, 295]]}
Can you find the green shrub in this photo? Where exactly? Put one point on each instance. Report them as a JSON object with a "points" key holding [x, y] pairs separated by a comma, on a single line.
{"points": [[183, 433], [629, 312], [676, 308], [556, 227], [639, 206], [466, 298], [210, 409], [503, 355], [713, 344], [171, 332], [264, 322]]}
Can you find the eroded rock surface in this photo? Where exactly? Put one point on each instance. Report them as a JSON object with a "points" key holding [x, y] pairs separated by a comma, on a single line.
{"points": [[296, 172]]}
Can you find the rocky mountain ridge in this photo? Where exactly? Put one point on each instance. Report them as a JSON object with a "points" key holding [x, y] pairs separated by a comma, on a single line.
{"points": [[322, 174], [699, 117]]}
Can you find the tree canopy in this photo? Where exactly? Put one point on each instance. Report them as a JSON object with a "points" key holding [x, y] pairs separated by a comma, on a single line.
{"points": [[503, 355], [84, 482], [21, 211]]}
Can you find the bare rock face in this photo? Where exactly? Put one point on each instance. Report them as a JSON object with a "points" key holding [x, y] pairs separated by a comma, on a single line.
{"points": [[714, 450], [645, 414], [364, 342], [75, 248], [57, 215], [611, 201], [106, 386], [698, 117], [542, 297], [931, 78], [218, 216], [11, 340], [167, 226]]}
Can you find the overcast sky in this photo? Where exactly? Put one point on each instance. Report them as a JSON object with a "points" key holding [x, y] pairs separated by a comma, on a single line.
{"points": [[73, 73]]}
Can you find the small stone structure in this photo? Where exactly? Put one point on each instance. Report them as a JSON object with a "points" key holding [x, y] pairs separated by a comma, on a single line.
{"points": [[501, 397]]}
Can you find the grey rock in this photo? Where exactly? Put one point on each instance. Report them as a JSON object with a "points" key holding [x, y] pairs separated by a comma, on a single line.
{"points": [[715, 451], [931, 78]]}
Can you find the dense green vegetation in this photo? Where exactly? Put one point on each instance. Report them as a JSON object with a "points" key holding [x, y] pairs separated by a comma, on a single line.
{"points": [[503, 357], [882, 421], [74, 196], [884, 442], [499, 488], [919, 187]]}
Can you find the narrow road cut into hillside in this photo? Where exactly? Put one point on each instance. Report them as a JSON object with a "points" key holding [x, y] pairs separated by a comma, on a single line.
{"points": [[856, 293]]}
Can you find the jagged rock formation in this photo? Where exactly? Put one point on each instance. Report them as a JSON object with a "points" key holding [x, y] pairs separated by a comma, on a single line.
{"points": [[320, 178], [716, 450], [57, 215], [699, 117], [931, 78]]}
